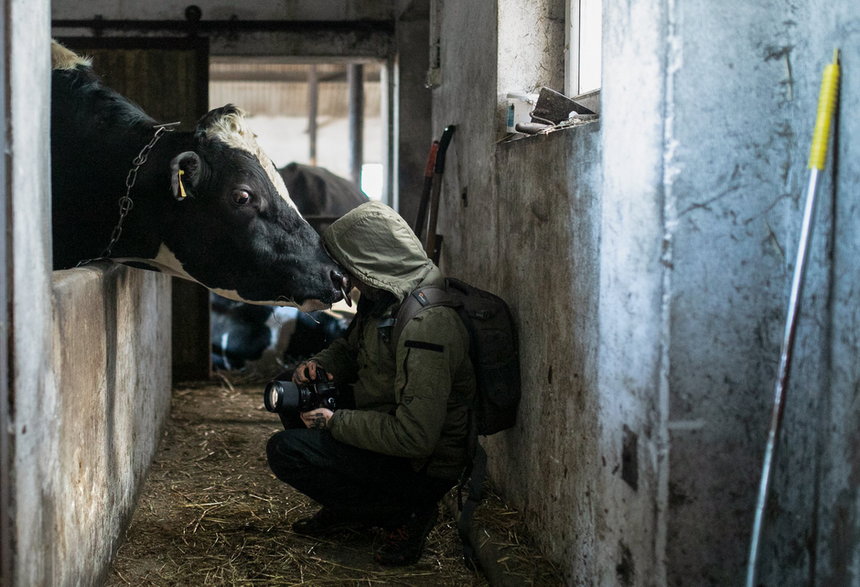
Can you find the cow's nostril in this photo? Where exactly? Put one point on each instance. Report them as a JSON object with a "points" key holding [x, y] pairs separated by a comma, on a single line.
{"points": [[341, 282], [338, 278]]}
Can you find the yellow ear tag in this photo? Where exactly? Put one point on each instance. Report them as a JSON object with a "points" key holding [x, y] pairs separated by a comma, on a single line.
{"points": [[182, 193]]}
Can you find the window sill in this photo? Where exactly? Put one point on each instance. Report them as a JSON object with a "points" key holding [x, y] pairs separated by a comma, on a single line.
{"points": [[590, 100], [549, 129]]}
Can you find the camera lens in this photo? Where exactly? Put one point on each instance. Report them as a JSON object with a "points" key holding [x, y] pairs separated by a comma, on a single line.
{"points": [[281, 396], [272, 396]]}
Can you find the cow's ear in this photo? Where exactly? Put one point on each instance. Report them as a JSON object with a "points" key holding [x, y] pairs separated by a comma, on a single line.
{"points": [[185, 171]]}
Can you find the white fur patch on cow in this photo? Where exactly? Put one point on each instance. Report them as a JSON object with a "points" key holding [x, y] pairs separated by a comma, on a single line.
{"points": [[232, 130], [308, 306], [165, 262], [62, 58]]}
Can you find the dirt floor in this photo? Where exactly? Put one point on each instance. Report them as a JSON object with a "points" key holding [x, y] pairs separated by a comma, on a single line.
{"points": [[211, 513]]}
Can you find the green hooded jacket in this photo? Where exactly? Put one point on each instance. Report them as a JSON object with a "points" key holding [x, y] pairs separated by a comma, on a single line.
{"points": [[413, 402]]}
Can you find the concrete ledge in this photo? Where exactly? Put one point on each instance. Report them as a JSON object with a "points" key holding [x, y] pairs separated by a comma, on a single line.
{"points": [[111, 364]]}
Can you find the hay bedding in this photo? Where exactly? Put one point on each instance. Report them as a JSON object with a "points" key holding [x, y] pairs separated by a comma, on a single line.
{"points": [[212, 513]]}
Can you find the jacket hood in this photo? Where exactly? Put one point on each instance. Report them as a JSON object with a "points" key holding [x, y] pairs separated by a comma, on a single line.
{"points": [[376, 245]]}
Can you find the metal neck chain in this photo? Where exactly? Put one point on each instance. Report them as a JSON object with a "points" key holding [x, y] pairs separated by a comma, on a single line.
{"points": [[125, 202]]}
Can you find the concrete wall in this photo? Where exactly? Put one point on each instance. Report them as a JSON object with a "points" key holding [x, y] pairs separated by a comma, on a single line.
{"points": [[548, 201], [648, 265], [522, 219], [112, 377], [88, 424], [88, 385], [631, 388], [412, 126], [33, 393], [717, 226]]}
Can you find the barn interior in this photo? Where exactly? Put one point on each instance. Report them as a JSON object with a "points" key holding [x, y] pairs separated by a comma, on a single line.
{"points": [[650, 339]]}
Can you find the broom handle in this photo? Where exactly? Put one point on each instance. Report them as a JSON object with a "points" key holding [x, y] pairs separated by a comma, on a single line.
{"points": [[817, 159]]}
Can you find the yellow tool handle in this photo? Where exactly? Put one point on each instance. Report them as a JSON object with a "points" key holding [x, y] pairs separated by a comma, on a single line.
{"points": [[826, 104]]}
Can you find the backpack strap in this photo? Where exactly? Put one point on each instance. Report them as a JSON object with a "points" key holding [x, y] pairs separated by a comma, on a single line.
{"points": [[420, 299], [473, 483]]}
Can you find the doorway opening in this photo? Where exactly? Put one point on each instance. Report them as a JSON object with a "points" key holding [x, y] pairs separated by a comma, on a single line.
{"points": [[301, 112]]}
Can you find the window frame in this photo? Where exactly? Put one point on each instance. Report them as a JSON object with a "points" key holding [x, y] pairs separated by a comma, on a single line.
{"points": [[573, 54]]}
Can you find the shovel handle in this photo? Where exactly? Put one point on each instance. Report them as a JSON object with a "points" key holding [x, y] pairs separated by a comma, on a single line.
{"points": [[421, 218], [444, 141], [439, 168]]}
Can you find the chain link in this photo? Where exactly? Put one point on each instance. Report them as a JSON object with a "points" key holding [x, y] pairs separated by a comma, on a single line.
{"points": [[125, 202]]}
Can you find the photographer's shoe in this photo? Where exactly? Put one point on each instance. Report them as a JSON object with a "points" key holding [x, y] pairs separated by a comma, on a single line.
{"points": [[404, 544], [327, 521]]}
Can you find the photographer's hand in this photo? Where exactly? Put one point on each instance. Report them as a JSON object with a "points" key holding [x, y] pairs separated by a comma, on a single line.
{"points": [[305, 372], [317, 419]]}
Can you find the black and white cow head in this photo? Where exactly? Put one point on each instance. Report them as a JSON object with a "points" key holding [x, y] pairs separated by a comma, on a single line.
{"points": [[232, 226], [208, 205]]}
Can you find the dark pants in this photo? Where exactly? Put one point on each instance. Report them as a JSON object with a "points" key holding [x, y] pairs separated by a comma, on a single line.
{"points": [[368, 486]]}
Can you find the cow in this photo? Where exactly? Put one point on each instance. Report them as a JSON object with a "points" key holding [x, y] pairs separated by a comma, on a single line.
{"points": [[265, 338], [320, 195], [205, 205], [241, 333]]}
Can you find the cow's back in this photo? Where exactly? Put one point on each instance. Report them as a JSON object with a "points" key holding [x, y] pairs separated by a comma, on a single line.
{"points": [[320, 194], [90, 121], [93, 141]]}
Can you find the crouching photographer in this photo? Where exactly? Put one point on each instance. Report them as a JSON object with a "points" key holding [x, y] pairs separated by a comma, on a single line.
{"points": [[385, 456]]}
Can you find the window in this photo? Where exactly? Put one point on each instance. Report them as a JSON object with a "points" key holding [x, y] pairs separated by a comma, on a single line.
{"points": [[552, 44], [583, 40]]}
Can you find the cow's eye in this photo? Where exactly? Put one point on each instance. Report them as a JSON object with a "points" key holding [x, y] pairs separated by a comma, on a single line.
{"points": [[240, 197]]}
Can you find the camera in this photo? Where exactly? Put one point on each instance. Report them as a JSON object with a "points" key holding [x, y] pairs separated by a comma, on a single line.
{"points": [[284, 397]]}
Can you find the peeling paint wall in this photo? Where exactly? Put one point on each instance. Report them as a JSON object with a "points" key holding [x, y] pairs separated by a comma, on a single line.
{"points": [[631, 391], [548, 200], [522, 219], [673, 230], [735, 187], [735, 154]]}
